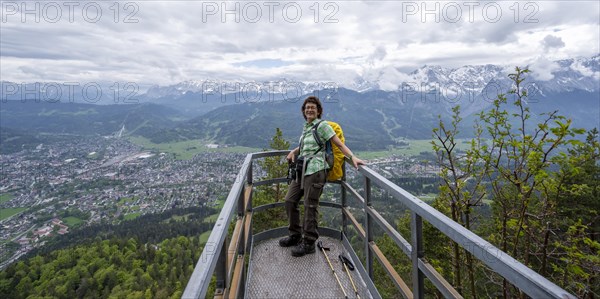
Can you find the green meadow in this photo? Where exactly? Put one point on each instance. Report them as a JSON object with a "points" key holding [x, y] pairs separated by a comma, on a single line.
{"points": [[72, 221], [414, 148], [5, 197], [185, 150], [6, 213]]}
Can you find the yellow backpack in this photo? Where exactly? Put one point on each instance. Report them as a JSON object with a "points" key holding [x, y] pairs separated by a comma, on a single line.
{"points": [[333, 155]]}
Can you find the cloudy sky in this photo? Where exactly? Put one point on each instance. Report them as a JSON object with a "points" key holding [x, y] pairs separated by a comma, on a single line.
{"points": [[165, 42]]}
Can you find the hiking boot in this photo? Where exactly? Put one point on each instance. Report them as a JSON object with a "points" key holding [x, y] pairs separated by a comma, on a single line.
{"points": [[288, 241], [305, 247]]}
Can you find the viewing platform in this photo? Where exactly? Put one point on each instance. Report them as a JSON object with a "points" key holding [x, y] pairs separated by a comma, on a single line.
{"points": [[273, 273], [244, 264]]}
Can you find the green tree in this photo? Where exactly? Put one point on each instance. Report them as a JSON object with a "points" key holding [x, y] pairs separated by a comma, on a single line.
{"points": [[540, 179], [520, 155], [274, 167], [463, 188], [574, 245], [578, 268], [579, 190]]}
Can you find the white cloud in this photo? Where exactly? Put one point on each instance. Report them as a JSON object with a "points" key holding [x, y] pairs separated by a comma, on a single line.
{"points": [[174, 41], [585, 71], [390, 79], [542, 69]]}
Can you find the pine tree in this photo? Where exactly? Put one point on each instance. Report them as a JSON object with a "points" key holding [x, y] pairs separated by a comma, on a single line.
{"points": [[274, 167]]}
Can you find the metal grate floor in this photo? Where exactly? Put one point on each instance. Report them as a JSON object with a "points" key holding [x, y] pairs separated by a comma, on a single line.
{"points": [[275, 273]]}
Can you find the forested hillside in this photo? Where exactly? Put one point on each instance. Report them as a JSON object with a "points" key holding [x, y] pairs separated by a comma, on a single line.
{"points": [[149, 228], [116, 268], [151, 256]]}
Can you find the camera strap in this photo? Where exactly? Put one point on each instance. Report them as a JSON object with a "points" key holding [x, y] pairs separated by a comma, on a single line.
{"points": [[304, 161]]}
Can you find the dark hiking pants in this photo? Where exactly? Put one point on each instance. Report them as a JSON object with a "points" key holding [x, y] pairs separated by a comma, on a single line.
{"points": [[313, 187]]}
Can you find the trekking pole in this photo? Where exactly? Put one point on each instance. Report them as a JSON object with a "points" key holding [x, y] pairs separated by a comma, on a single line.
{"points": [[348, 264], [320, 245]]}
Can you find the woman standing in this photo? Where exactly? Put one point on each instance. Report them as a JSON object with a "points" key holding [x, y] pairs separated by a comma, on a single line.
{"points": [[311, 181]]}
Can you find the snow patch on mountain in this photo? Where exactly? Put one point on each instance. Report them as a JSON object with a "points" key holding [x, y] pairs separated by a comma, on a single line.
{"points": [[556, 76]]}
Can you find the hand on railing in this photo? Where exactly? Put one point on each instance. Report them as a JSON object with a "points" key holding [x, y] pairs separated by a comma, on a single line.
{"points": [[355, 161]]}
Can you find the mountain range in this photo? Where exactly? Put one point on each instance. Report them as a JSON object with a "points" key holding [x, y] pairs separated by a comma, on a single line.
{"points": [[451, 83], [373, 115]]}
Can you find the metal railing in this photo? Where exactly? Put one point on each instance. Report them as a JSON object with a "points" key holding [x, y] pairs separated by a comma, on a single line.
{"points": [[227, 263]]}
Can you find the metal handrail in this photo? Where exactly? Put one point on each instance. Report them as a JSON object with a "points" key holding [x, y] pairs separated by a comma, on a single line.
{"points": [[200, 279], [214, 254], [524, 278]]}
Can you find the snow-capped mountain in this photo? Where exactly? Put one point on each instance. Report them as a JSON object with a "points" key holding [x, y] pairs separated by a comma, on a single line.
{"points": [[574, 74], [178, 89], [375, 109], [471, 86], [281, 86], [469, 79], [568, 75]]}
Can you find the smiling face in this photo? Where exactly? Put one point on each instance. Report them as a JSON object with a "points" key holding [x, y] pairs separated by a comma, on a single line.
{"points": [[310, 112], [312, 109]]}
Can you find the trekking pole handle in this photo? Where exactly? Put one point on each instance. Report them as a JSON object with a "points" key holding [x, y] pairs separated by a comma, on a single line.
{"points": [[320, 245], [348, 265]]}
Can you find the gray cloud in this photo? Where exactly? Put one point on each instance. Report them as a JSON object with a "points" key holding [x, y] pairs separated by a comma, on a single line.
{"points": [[551, 41], [378, 55], [174, 41]]}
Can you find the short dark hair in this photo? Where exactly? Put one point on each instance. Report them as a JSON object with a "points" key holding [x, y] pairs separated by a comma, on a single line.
{"points": [[316, 101]]}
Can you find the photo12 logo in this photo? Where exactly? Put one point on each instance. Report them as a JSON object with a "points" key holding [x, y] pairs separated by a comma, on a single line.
{"points": [[71, 92], [471, 11], [71, 11], [270, 91], [254, 12], [454, 92]]}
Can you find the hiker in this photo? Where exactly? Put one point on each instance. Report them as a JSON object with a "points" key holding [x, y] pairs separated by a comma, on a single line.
{"points": [[311, 181]]}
